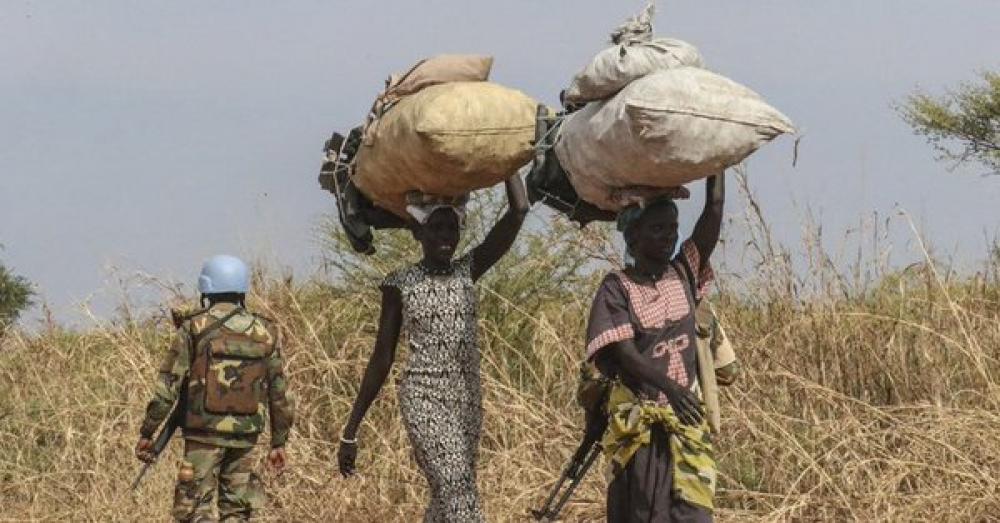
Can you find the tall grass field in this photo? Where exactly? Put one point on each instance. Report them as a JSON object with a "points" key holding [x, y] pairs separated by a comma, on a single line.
{"points": [[862, 399]]}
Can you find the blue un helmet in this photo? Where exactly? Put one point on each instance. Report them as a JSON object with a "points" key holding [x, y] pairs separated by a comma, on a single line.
{"points": [[223, 273]]}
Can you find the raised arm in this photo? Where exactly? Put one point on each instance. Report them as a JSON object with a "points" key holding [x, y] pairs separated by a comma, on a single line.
{"points": [[706, 231], [503, 234], [390, 322]]}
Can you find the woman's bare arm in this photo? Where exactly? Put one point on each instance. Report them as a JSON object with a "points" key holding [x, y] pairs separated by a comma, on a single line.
{"points": [[637, 366], [709, 225], [390, 322], [500, 238]]}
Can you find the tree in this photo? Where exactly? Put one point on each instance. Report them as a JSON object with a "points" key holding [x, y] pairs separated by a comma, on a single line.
{"points": [[963, 125], [15, 296]]}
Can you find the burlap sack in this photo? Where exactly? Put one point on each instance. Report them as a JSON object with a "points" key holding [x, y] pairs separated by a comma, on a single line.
{"points": [[615, 67], [664, 130], [438, 70], [448, 140], [427, 72]]}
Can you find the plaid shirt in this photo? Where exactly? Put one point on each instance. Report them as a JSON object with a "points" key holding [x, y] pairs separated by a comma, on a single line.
{"points": [[654, 306]]}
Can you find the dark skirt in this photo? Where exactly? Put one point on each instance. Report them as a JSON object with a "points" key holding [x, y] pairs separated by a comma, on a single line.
{"points": [[641, 493]]}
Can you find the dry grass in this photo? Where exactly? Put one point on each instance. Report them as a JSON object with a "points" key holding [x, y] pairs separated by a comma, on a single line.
{"points": [[873, 404]]}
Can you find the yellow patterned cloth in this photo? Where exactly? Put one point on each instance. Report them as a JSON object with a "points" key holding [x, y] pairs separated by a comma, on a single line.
{"points": [[629, 428]]}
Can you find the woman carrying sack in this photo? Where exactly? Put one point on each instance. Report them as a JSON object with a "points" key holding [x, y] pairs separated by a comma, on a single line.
{"points": [[440, 390], [642, 335]]}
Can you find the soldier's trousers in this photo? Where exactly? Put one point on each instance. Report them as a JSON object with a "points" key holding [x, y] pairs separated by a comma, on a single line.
{"points": [[219, 472]]}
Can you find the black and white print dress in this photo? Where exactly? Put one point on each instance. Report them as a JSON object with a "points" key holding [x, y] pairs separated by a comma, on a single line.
{"points": [[439, 391]]}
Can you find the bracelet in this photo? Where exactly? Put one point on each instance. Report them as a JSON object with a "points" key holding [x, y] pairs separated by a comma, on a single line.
{"points": [[349, 441]]}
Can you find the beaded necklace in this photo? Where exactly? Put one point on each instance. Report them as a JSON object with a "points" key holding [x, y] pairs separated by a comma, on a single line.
{"points": [[443, 271]]}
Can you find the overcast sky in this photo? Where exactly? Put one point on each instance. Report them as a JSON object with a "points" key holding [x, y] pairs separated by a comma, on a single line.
{"points": [[149, 135]]}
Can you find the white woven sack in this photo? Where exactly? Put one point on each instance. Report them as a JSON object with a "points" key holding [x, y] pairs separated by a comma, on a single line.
{"points": [[664, 130], [615, 67]]}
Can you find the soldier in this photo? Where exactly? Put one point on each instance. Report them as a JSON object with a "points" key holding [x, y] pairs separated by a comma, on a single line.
{"points": [[225, 368]]}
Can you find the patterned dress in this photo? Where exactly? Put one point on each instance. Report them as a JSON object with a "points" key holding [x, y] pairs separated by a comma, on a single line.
{"points": [[439, 391]]}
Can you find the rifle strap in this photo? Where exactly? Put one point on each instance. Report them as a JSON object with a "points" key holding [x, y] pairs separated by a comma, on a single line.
{"points": [[689, 276], [196, 338]]}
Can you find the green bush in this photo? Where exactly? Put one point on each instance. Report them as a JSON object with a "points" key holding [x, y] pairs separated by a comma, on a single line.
{"points": [[963, 125], [15, 297]]}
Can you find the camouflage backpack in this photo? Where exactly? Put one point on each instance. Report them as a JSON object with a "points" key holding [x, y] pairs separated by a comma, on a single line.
{"points": [[227, 384]]}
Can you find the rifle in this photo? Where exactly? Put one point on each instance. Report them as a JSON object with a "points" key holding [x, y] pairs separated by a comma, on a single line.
{"points": [[577, 468], [166, 432], [177, 316]]}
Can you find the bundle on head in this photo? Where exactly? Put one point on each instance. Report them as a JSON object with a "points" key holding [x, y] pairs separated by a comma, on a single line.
{"points": [[636, 29]]}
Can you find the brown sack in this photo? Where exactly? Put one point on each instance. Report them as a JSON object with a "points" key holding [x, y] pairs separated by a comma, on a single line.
{"points": [[438, 70], [446, 140], [427, 72]]}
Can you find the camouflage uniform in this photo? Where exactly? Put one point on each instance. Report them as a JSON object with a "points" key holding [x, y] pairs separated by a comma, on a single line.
{"points": [[235, 377]]}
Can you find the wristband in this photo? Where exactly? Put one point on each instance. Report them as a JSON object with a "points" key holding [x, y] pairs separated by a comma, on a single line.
{"points": [[349, 441]]}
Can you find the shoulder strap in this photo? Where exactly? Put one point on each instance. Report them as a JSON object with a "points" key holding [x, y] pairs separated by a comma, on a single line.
{"points": [[179, 315], [689, 276], [197, 337], [269, 325], [261, 317]]}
